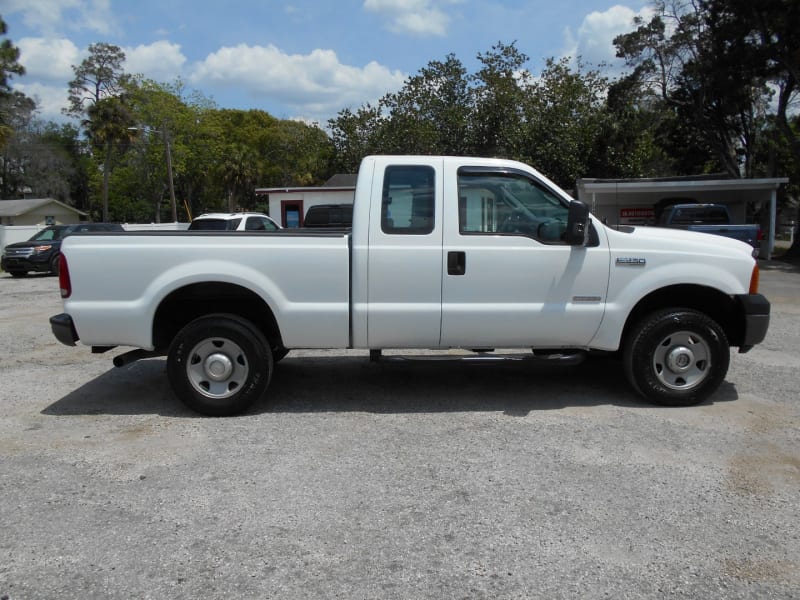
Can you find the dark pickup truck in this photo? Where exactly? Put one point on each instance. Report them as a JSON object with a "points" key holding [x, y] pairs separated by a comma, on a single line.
{"points": [[709, 218], [42, 252]]}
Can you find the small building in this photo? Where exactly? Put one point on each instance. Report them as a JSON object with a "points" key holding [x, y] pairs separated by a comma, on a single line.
{"points": [[634, 201], [289, 206], [38, 211]]}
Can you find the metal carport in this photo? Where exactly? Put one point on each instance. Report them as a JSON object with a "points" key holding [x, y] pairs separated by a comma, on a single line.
{"points": [[631, 201]]}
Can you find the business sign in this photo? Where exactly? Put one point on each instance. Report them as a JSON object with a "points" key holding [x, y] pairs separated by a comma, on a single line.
{"points": [[642, 215]]}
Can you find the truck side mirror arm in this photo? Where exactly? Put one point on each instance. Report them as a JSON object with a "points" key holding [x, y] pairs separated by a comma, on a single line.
{"points": [[577, 223]]}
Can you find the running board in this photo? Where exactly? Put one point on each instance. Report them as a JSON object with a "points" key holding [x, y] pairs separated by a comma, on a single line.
{"points": [[562, 358]]}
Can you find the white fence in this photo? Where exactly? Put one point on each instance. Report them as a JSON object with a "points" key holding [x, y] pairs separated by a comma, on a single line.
{"points": [[10, 234]]}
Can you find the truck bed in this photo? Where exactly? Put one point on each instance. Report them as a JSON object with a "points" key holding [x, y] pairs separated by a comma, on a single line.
{"points": [[119, 279]]}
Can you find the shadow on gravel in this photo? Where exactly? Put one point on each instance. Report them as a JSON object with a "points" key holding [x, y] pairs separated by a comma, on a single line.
{"points": [[345, 383]]}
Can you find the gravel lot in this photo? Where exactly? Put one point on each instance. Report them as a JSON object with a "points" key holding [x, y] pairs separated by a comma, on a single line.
{"points": [[394, 480]]}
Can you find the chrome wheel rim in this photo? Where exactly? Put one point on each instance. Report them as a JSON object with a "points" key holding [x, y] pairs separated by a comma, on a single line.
{"points": [[682, 360], [217, 368]]}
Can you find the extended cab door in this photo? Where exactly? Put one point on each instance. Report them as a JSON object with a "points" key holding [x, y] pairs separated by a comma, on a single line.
{"points": [[509, 280], [404, 268]]}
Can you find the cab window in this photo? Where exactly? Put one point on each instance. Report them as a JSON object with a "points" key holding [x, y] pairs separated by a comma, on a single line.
{"points": [[509, 203]]}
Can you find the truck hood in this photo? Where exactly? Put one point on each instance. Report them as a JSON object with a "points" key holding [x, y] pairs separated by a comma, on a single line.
{"points": [[691, 242]]}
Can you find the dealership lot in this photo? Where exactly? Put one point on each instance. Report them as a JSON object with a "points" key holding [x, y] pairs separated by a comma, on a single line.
{"points": [[395, 480]]}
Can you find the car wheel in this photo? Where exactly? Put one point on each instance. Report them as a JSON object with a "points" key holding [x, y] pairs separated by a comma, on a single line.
{"points": [[218, 365], [55, 264], [18, 273], [676, 357]]}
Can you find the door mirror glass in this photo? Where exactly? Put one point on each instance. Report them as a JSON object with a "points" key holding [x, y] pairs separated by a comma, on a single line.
{"points": [[577, 223]]}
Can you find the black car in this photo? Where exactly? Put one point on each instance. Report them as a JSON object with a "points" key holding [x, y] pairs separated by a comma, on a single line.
{"points": [[42, 252]]}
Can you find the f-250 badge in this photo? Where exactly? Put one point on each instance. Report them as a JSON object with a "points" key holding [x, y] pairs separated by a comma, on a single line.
{"points": [[631, 262]]}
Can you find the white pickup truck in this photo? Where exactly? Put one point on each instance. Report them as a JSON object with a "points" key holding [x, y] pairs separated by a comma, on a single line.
{"points": [[444, 253]]}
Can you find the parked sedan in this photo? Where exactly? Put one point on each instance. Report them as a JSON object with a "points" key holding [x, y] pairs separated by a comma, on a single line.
{"points": [[42, 252]]}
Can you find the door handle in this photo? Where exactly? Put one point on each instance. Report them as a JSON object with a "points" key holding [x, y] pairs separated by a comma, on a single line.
{"points": [[456, 263]]}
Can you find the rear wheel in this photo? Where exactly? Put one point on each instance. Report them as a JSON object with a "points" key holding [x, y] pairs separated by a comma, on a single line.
{"points": [[55, 264], [676, 357], [219, 365]]}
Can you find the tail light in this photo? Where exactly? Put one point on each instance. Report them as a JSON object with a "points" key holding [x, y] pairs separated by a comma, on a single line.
{"points": [[754, 280], [64, 281]]}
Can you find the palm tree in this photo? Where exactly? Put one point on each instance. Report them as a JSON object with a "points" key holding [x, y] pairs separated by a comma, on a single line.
{"points": [[109, 124]]}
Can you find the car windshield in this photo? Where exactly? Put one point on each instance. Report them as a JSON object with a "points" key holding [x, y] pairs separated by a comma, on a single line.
{"points": [[214, 224], [49, 234]]}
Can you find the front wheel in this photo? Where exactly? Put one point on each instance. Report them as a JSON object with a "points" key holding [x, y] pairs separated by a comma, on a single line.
{"points": [[218, 365], [676, 357]]}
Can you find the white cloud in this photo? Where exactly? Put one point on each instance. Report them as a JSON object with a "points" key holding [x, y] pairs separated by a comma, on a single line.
{"points": [[416, 17], [316, 85], [49, 60], [50, 99], [50, 16], [594, 39], [161, 61]]}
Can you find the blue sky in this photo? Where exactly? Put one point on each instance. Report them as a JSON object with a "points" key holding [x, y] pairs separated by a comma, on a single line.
{"points": [[303, 59]]}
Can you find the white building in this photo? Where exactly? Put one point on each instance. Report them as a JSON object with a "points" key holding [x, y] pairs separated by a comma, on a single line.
{"points": [[288, 206]]}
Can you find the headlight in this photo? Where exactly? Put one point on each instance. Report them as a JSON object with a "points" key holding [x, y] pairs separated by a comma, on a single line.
{"points": [[41, 248]]}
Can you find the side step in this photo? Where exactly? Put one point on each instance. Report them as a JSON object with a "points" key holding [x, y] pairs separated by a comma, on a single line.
{"points": [[565, 357]]}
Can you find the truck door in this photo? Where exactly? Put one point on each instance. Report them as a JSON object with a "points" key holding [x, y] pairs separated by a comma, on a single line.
{"points": [[509, 280], [405, 257]]}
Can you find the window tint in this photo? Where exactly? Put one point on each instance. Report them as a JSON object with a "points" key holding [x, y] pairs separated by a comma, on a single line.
{"points": [[509, 203], [709, 215], [408, 200], [210, 225]]}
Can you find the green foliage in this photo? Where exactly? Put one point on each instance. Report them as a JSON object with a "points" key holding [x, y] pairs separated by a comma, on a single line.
{"points": [[9, 67]]}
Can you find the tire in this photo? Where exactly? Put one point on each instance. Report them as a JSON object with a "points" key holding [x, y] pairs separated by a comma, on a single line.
{"points": [[219, 365], [676, 357], [18, 273], [55, 264]]}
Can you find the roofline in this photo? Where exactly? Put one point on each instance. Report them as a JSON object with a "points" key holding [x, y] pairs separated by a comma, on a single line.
{"points": [[260, 191], [641, 185], [43, 201]]}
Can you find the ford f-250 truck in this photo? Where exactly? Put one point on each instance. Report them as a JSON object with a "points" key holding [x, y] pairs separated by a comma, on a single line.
{"points": [[444, 253]]}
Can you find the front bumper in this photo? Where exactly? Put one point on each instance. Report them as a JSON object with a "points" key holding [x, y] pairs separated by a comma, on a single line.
{"points": [[38, 263], [755, 310], [64, 329]]}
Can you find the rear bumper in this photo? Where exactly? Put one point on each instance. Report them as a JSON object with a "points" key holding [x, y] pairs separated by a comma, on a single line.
{"points": [[64, 329], [755, 309]]}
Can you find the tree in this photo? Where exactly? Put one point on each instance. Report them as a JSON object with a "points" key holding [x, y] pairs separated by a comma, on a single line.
{"points": [[356, 135], [99, 76], [9, 66], [564, 117], [691, 57], [109, 124], [499, 92]]}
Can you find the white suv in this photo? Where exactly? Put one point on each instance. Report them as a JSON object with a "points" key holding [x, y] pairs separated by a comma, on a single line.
{"points": [[233, 222]]}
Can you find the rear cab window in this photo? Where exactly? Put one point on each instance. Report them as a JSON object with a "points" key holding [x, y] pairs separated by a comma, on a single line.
{"points": [[408, 200]]}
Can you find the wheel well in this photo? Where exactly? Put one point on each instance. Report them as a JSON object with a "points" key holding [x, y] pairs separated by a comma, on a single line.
{"points": [[717, 305], [188, 303]]}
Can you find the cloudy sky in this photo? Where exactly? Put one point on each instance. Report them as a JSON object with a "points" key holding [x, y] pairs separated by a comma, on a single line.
{"points": [[305, 59]]}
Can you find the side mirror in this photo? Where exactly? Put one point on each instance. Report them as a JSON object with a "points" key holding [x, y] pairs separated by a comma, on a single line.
{"points": [[577, 223]]}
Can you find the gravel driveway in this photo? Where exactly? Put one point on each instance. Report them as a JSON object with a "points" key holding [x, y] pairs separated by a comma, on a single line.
{"points": [[394, 480]]}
